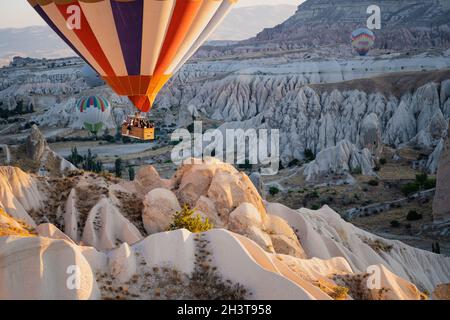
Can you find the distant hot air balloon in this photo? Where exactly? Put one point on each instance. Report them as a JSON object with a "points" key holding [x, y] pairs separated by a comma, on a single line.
{"points": [[135, 45], [362, 40], [93, 112]]}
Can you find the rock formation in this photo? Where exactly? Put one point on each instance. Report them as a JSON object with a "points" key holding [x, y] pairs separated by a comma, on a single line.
{"points": [[299, 254], [441, 204], [35, 155], [406, 24], [340, 161], [19, 194], [35, 144]]}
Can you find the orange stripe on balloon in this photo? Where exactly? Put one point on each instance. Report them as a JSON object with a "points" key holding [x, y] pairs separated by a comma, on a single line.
{"points": [[88, 38], [182, 18], [143, 102]]}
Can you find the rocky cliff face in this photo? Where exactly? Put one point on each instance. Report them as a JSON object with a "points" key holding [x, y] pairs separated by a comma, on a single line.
{"points": [[319, 117], [441, 208], [36, 156], [124, 253], [314, 104], [406, 24]]}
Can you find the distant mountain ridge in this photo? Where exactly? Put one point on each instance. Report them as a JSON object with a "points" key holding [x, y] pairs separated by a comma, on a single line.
{"points": [[35, 41], [246, 22], [405, 23]]}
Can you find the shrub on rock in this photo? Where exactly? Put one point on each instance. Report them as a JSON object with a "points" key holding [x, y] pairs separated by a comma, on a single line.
{"points": [[187, 219]]}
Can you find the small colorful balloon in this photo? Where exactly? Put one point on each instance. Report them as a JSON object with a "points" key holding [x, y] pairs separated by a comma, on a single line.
{"points": [[362, 41], [94, 113]]}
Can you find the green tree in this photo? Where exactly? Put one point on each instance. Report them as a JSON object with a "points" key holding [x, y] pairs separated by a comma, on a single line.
{"points": [[274, 191], [74, 157], [413, 215], [131, 173], [422, 178], [99, 167], [118, 166], [309, 155]]}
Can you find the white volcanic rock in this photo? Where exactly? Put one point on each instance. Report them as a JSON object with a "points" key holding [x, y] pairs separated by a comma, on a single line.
{"points": [[19, 194], [234, 258], [432, 134], [273, 89], [160, 205], [44, 269], [230, 189], [176, 249], [342, 159], [402, 127], [433, 159], [206, 209], [245, 264], [445, 98], [71, 216], [246, 215], [227, 250], [106, 227], [441, 204], [247, 220], [325, 235], [48, 161], [370, 135], [221, 183], [316, 118], [97, 260], [35, 144], [380, 284], [122, 263], [284, 239], [323, 252], [49, 230], [147, 179], [226, 197]]}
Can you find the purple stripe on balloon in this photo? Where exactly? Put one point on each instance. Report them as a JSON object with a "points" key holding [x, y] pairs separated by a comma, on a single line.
{"points": [[128, 17], [44, 16]]}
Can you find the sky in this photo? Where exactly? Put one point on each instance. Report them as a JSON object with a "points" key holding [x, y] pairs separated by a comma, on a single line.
{"points": [[19, 14]]}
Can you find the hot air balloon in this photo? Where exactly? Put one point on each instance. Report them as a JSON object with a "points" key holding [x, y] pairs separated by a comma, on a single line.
{"points": [[93, 112], [362, 40], [135, 45]]}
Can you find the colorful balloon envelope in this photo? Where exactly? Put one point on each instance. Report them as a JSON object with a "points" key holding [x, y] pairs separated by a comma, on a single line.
{"points": [[135, 45], [362, 40], [94, 113]]}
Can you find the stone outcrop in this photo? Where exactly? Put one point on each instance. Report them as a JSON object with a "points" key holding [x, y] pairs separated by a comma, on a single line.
{"points": [[35, 144], [302, 254], [339, 162], [441, 204], [406, 24], [442, 292], [37, 156], [19, 194], [160, 205], [106, 227], [44, 270]]}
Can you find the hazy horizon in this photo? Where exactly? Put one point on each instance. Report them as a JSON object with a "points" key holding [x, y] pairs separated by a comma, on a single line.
{"points": [[19, 14]]}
